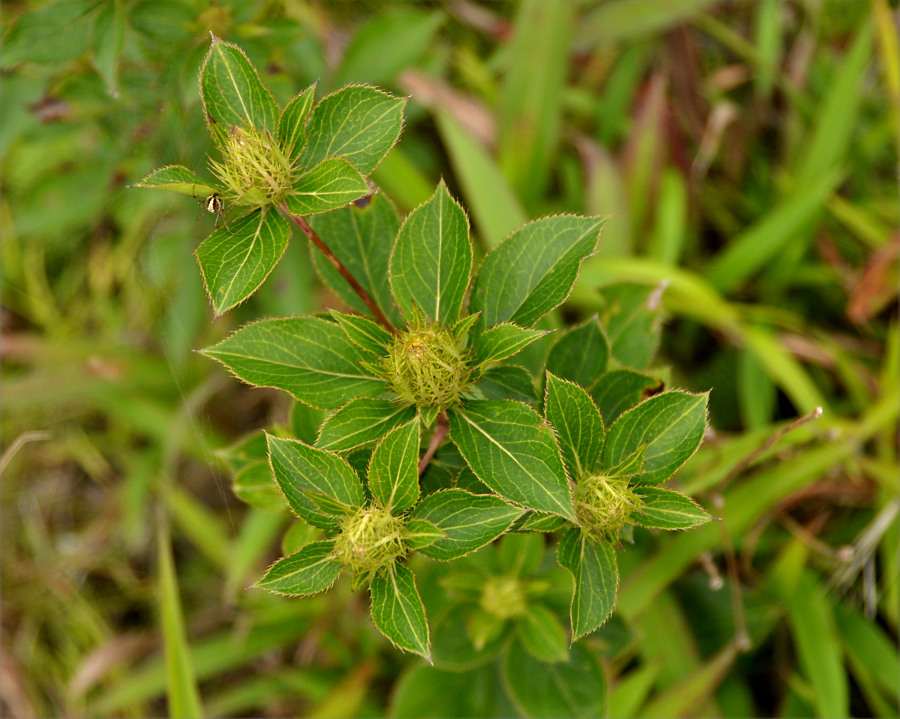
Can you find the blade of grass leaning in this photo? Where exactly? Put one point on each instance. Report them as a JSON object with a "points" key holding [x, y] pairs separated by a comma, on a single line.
{"points": [[181, 683], [815, 640], [496, 211], [630, 692], [764, 239], [248, 550], [691, 695], [531, 99], [630, 19]]}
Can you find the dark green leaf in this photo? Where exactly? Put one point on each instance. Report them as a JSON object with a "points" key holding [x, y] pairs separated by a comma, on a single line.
{"points": [[254, 485], [533, 270], [292, 122], [331, 184], [580, 355], [361, 238], [232, 93], [469, 521], [176, 178], [360, 421], [619, 390], [397, 610], [359, 123], [309, 571], [632, 317], [508, 382], [576, 688], [667, 509], [432, 259], [300, 470], [671, 425], [510, 448], [364, 333], [308, 357], [236, 259], [394, 469], [502, 341], [542, 635], [578, 425], [593, 565]]}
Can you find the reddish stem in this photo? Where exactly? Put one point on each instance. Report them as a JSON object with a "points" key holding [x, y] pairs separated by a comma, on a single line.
{"points": [[339, 266], [440, 431]]}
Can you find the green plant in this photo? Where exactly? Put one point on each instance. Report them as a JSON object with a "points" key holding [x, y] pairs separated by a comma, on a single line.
{"points": [[583, 458]]}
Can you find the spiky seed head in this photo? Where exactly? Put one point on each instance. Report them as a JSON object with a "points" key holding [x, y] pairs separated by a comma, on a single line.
{"points": [[504, 597], [428, 366], [604, 505], [254, 170], [371, 539]]}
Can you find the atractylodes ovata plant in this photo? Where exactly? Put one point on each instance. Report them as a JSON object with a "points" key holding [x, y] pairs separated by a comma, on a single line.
{"points": [[436, 441]]}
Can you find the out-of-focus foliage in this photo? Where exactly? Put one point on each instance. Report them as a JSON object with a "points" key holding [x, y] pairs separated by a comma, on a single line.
{"points": [[749, 151]]}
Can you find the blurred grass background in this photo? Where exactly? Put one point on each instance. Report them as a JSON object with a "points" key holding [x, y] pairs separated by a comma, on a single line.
{"points": [[749, 153]]}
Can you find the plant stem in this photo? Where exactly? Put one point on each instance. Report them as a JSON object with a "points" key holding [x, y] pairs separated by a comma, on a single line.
{"points": [[339, 266], [440, 431]]}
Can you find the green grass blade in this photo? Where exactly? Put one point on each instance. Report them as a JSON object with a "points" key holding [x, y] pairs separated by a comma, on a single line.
{"points": [[181, 684]]}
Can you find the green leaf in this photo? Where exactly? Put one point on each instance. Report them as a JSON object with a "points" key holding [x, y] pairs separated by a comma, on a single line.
{"points": [[176, 178], [451, 645], [510, 448], [420, 534], [521, 555], [236, 259], [538, 522], [534, 269], [580, 355], [398, 612], [502, 341], [108, 36], [542, 635], [667, 509], [53, 33], [292, 122], [308, 357], [632, 317], [331, 184], [593, 565], [619, 390], [578, 425], [424, 692], [508, 382], [469, 521], [432, 259], [300, 470], [254, 485], [394, 469], [363, 332], [391, 41], [232, 93], [671, 425], [311, 570], [361, 421], [576, 688], [359, 123], [361, 238]]}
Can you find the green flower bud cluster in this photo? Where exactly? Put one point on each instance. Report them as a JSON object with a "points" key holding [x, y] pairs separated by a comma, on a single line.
{"points": [[255, 170], [604, 505]]}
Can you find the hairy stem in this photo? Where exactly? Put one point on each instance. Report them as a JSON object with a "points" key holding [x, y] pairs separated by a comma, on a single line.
{"points": [[339, 266], [440, 431]]}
